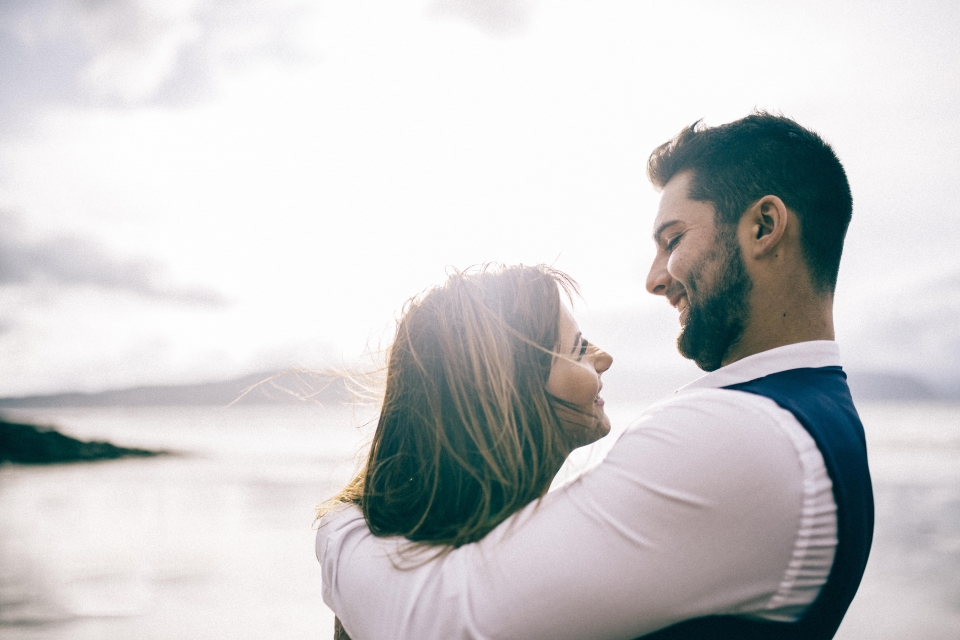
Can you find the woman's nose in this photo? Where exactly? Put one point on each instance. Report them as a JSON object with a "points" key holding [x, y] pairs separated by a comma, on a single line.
{"points": [[602, 360]]}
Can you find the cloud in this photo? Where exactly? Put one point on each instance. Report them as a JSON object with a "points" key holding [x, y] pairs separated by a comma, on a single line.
{"points": [[497, 17], [133, 48], [118, 53], [73, 262]]}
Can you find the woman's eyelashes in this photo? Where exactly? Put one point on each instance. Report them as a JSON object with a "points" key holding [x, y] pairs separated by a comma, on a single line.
{"points": [[583, 348]]}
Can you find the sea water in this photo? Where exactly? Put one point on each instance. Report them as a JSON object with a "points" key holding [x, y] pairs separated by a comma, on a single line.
{"points": [[217, 540]]}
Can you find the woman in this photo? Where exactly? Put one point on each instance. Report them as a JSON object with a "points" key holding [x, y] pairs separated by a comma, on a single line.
{"points": [[490, 385]]}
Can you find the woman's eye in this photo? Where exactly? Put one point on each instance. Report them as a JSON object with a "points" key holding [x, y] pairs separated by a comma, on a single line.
{"points": [[583, 348]]}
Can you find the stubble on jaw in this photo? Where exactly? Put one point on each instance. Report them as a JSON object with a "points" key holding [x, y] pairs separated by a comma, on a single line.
{"points": [[717, 315]]}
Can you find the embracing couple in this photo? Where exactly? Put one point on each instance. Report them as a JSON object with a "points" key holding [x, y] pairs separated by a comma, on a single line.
{"points": [[740, 507]]}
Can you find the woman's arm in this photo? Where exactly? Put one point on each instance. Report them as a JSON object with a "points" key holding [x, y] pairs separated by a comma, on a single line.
{"points": [[694, 512]]}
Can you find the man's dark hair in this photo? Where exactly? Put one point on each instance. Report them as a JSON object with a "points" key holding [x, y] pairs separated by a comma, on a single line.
{"points": [[736, 164]]}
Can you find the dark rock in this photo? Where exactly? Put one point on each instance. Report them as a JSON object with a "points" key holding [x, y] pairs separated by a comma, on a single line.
{"points": [[27, 444]]}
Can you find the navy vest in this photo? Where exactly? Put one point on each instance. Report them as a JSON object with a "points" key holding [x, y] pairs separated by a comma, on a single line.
{"points": [[821, 402]]}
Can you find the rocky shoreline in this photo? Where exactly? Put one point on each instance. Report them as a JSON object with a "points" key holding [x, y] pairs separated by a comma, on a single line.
{"points": [[30, 444]]}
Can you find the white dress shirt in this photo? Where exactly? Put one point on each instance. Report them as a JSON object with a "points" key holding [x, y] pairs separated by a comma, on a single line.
{"points": [[713, 502]]}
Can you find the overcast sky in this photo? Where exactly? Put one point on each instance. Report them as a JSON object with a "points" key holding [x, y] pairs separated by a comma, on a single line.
{"points": [[195, 189]]}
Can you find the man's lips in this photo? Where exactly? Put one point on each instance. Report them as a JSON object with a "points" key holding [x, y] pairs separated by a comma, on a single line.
{"points": [[675, 296], [681, 304]]}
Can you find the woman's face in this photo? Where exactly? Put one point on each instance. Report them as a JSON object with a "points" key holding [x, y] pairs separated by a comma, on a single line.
{"points": [[575, 378]]}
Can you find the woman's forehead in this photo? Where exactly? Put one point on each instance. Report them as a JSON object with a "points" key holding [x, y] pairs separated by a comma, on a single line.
{"points": [[568, 325]]}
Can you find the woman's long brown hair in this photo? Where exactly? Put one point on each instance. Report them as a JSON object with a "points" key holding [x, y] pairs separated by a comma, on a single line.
{"points": [[468, 433]]}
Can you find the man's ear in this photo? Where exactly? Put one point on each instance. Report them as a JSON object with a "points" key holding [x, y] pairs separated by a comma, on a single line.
{"points": [[763, 226]]}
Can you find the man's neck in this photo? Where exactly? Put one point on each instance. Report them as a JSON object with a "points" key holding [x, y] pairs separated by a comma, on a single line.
{"points": [[777, 325]]}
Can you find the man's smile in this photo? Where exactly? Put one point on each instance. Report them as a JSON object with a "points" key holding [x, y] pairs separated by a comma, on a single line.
{"points": [[681, 303]]}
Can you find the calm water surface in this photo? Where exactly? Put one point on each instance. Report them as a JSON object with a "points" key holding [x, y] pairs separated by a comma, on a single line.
{"points": [[217, 542]]}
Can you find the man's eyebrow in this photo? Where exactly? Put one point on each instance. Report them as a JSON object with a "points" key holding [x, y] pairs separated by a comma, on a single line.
{"points": [[663, 227]]}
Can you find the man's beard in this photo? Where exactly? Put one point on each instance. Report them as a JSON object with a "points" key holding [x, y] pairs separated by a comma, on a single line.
{"points": [[716, 318]]}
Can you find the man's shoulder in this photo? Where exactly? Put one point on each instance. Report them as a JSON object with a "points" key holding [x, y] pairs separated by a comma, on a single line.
{"points": [[726, 453], [707, 408], [719, 430]]}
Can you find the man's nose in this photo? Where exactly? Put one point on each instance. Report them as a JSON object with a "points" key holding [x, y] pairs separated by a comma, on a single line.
{"points": [[658, 279]]}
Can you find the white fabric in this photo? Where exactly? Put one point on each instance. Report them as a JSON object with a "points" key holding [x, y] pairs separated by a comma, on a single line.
{"points": [[714, 501]]}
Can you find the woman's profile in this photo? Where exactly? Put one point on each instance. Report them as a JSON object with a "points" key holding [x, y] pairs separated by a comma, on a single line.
{"points": [[489, 387]]}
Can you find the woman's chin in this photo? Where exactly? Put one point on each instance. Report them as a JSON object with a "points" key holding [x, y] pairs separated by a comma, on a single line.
{"points": [[603, 427], [599, 430]]}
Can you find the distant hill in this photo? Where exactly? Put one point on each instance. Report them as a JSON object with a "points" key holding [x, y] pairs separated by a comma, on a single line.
{"points": [[631, 384], [872, 385], [323, 388], [258, 388]]}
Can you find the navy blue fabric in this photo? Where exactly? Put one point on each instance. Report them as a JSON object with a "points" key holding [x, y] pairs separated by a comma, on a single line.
{"points": [[820, 400]]}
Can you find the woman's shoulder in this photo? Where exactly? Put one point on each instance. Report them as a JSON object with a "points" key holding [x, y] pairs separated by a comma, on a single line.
{"points": [[335, 525]]}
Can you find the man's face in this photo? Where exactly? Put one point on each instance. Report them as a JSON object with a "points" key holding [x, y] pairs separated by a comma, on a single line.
{"points": [[699, 270]]}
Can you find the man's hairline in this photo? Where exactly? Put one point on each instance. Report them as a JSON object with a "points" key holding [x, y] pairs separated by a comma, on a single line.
{"points": [[723, 230], [719, 222]]}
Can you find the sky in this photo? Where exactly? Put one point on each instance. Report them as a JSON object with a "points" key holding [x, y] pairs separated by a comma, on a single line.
{"points": [[197, 189]]}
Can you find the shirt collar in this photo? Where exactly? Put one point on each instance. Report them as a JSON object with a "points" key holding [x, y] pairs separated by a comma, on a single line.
{"points": [[813, 354]]}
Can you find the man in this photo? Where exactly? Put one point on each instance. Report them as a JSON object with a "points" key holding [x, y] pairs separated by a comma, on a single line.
{"points": [[739, 508]]}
